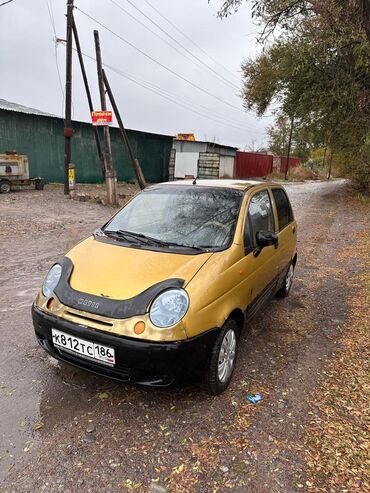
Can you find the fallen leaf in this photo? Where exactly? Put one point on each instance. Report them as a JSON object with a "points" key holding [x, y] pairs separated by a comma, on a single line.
{"points": [[102, 395]]}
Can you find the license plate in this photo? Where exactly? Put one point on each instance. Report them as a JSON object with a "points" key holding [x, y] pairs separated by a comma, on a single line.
{"points": [[86, 349]]}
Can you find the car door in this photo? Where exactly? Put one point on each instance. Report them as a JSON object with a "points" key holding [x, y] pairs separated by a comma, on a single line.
{"points": [[286, 229], [260, 270]]}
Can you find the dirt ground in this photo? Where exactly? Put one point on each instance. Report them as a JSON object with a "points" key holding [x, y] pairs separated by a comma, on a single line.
{"points": [[64, 430]]}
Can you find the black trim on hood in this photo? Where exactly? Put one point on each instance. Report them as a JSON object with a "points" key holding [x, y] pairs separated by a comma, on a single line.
{"points": [[108, 307]]}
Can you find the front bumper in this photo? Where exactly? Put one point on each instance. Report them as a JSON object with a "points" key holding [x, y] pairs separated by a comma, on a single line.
{"points": [[141, 362]]}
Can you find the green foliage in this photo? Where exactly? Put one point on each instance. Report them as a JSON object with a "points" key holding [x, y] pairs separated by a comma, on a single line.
{"points": [[278, 136], [356, 165], [315, 68], [316, 159], [303, 138]]}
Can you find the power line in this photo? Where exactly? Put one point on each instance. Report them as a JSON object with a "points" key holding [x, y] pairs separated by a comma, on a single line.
{"points": [[197, 64], [4, 3], [189, 39], [188, 106], [179, 103], [51, 17], [196, 105], [180, 44], [159, 63], [52, 21], [172, 98]]}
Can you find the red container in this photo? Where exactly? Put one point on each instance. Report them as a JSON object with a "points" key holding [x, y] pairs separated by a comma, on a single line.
{"points": [[293, 162], [252, 164]]}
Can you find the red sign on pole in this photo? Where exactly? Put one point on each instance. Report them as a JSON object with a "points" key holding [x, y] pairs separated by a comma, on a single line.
{"points": [[101, 118]]}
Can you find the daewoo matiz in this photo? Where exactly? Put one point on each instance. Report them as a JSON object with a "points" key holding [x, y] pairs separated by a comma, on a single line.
{"points": [[166, 286]]}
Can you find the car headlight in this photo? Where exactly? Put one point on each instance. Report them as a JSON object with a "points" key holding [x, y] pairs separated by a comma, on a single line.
{"points": [[169, 307], [51, 280]]}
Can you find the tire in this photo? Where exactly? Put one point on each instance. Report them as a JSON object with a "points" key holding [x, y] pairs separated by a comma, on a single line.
{"points": [[218, 377], [39, 184], [287, 284], [5, 186]]}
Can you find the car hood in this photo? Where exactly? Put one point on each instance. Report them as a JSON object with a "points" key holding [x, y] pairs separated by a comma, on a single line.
{"points": [[120, 272]]}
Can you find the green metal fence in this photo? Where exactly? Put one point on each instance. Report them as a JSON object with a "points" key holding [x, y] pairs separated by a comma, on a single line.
{"points": [[41, 139]]}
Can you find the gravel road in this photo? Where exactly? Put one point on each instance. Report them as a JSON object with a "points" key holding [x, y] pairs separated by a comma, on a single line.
{"points": [[64, 430]]}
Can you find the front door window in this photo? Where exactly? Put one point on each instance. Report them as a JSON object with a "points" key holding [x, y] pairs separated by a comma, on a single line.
{"points": [[259, 218]]}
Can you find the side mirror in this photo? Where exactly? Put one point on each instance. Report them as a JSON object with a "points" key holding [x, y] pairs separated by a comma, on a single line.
{"points": [[264, 239]]}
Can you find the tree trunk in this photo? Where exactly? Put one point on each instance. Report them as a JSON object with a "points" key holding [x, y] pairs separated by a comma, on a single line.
{"points": [[330, 162]]}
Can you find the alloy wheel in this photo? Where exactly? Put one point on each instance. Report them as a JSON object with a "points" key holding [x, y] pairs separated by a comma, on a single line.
{"points": [[226, 357], [289, 278]]}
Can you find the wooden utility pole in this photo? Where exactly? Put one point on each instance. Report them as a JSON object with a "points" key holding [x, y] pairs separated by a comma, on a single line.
{"points": [[289, 147], [330, 162], [88, 94], [68, 131], [134, 161], [110, 175]]}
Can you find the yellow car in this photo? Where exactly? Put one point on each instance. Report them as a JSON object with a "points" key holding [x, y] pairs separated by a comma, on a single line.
{"points": [[166, 286]]}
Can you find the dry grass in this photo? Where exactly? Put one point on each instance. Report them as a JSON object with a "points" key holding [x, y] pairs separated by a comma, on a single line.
{"points": [[298, 173], [337, 441], [301, 173]]}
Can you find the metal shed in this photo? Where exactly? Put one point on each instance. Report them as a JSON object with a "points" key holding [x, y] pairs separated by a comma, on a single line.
{"points": [[201, 158], [39, 135]]}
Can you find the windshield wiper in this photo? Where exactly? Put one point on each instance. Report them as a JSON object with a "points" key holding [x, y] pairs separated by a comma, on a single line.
{"points": [[191, 247], [137, 236], [127, 235], [150, 240]]}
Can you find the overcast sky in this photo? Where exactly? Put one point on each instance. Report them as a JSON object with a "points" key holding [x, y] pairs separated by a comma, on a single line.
{"points": [[29, 57]]}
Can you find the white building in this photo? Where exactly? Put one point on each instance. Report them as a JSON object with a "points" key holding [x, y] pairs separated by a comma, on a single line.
{"points": [[201, 159]]}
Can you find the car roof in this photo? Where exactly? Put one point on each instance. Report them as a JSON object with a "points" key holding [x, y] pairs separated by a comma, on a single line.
{"points": [[226, 183]]}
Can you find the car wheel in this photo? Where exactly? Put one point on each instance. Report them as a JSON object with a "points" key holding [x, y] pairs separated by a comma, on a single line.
{"points": [[288, 281], [223, 357], [4, 187], [39, 184]]}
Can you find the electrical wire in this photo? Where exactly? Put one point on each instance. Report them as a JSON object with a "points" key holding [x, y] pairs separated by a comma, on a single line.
{"points": [[4, 3], [168, 97], [201, 65], [196, 105], [178, 103], [159, 63], [52, 21], [180, 44], [160, 92], [189, 39]]}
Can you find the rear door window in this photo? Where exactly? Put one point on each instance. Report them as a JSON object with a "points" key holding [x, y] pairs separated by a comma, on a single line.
{"points": [[259, 218], [284, 211]]}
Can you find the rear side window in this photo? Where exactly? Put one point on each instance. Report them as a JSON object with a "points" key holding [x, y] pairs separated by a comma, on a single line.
{"points": [[259, 218], [284, 211]]}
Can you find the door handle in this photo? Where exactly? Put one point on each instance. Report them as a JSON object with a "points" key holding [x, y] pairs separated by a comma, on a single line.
{"points": [[293, 229]]}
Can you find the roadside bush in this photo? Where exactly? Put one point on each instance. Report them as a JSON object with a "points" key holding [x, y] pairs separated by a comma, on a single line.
{"points": [[356, 167], [302, 173], [315, 161]]}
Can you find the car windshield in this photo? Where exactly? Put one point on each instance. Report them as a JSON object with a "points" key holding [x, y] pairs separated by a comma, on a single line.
{"points": [[188, 216]]}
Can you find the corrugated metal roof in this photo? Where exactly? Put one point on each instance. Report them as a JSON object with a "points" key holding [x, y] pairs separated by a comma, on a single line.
{"points": [[19, 108], [211, 143]]}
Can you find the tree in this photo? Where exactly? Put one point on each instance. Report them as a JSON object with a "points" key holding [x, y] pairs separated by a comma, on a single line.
{"points": [[304, 139], [315, 67]]}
